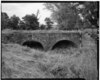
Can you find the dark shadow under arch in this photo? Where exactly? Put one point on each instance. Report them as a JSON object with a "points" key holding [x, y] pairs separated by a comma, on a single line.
{"points": [[33, 44], [64, 44]]}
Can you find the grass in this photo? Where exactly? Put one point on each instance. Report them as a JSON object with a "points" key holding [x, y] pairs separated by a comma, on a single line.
{"points": [[24, 62]]}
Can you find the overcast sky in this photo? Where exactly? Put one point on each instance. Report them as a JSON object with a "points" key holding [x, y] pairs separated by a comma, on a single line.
{"points": [[21, 9]]}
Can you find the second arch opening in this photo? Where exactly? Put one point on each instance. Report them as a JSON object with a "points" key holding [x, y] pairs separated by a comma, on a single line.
{"points": [[64, 44]]}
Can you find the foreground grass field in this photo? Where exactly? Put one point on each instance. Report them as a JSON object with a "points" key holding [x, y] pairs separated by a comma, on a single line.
{"points": [[24, 62]]}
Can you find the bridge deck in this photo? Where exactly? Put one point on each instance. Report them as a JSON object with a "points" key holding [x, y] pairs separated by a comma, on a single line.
{"points": [[42, 31], [49, 31]]}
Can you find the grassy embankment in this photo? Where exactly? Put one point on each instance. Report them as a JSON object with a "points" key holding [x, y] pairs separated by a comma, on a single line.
{"points": [[24, 62]]}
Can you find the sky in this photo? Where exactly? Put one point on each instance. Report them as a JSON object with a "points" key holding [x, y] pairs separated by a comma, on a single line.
{"points": [[21, 9]]}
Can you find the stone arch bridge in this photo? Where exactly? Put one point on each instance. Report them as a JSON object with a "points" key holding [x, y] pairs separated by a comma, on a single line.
{"points": [[43, 39]]}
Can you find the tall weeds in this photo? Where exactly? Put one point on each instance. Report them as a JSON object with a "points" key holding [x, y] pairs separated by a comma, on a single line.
{"points": [[24, 62]]}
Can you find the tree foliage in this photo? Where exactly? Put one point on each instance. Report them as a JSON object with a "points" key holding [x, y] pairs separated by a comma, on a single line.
{"points": [[72, 15], [48, 23], [9, 23], [63, 13], [43, 27], [13, 22], [31, 22], [90, 12], [68, 15], [4, 20], [22, 25]]}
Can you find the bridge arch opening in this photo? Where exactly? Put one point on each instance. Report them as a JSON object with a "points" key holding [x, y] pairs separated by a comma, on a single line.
{"points": [[33, 44], [64, 44]]}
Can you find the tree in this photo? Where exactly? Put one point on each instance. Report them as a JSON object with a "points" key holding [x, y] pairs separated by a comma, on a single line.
{"points": [[13, 22], [22, 25], [48, 23], [73, 14], [63, 13], [43, 27], [4, 20], [90, 12], [31, 22]]}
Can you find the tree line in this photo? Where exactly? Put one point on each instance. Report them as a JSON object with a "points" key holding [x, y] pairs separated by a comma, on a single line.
{"points": [[28, 22], [68, 16]]}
